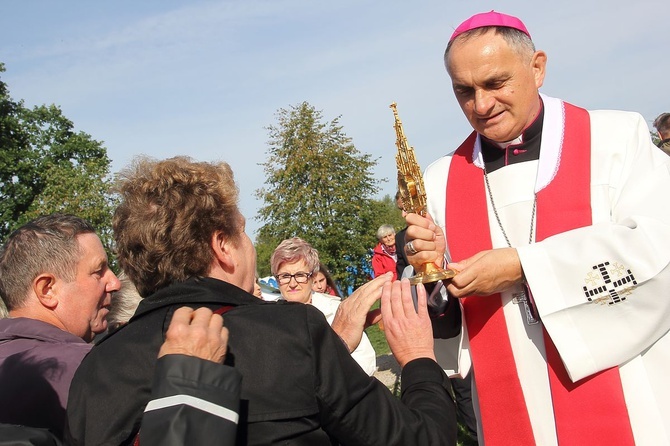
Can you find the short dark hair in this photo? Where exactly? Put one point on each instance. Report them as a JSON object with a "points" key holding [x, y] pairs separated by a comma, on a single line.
{"points": [[46, 244], [662, 124], [168, 213]]}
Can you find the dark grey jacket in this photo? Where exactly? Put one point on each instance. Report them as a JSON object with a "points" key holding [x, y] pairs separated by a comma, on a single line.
{"points": [[192, 402]]}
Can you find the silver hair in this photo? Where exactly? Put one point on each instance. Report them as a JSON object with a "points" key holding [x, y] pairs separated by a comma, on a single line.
{"points": [[124, 302], [384, 230], [47, 244]]}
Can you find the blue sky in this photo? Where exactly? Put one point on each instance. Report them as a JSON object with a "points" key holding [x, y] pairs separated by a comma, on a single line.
{"points": [[205, 78]]}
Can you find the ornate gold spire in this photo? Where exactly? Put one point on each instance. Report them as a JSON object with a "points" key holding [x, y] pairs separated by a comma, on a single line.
{"points": [[413, 194]]}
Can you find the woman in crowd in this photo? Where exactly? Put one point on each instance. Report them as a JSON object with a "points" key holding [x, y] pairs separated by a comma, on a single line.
{"points": [[294, 264], [257, 287], [324, 283], [384, 255]]}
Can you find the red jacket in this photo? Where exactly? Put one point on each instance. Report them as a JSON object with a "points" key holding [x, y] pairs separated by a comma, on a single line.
{"points": [[382, 262]]}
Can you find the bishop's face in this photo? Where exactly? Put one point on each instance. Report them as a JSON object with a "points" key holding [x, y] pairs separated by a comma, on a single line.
{"points": [[496, 86]]}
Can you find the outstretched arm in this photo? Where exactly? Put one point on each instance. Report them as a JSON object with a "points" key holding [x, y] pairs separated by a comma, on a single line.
{"points": [[425, 413], [408, 330], [354, 314]]}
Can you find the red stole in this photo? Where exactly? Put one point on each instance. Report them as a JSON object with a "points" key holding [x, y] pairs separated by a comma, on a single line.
{"points": [[591, 411]]}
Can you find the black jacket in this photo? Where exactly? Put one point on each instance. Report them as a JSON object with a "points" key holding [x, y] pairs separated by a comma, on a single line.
{"points": [[193, 401], [300, 384], [402, 261]]}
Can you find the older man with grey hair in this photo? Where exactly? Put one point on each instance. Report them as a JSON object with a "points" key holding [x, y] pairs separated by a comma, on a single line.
{"points": [[57, 285]]}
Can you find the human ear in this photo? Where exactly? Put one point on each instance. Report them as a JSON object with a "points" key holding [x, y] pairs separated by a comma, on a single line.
{"points": [[220, 245], [44, 287], [539, 64]]}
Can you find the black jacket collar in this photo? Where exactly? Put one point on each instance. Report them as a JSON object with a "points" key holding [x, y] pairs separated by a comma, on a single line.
{"points": [[196, 290]]}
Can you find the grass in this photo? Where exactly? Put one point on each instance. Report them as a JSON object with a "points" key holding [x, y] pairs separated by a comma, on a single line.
{"points": [[377, 337]]}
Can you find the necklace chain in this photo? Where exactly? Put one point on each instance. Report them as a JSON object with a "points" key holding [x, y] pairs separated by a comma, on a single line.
{"points": [[495, 212]]}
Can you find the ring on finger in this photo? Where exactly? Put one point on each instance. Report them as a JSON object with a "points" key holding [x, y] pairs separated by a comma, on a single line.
{"points": [[409, 247]]}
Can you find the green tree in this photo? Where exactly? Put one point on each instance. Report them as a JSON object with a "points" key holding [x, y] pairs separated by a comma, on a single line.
{"points": [[387, 212], [46, 167], [654, 138], [318, 187]]}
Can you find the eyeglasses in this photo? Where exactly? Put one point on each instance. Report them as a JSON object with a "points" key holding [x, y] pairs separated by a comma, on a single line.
{"points": [[285, 279]]}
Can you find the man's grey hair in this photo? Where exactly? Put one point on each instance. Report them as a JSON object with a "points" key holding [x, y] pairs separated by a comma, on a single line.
{"points": [[47, 244], [517, 40]]}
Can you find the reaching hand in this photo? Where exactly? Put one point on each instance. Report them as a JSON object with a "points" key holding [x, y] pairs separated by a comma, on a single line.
{"points": [[354, 315], [197, 333], [427, 239], [485, 273], [408, 331]]}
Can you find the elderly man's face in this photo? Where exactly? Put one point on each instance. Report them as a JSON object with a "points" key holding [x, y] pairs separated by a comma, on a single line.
{"points": [[84, 302], [496, 87]]}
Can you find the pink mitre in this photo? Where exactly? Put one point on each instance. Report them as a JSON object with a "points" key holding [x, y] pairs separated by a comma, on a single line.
{"points": [[489, 19]]}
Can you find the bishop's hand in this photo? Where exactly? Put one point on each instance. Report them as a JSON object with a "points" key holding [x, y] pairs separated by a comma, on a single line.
{"points": [[424, 241], [486, 273]]}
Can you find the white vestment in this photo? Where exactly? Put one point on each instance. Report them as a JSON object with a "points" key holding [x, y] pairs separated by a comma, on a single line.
{"points": [[630, 235], [364, 354]]}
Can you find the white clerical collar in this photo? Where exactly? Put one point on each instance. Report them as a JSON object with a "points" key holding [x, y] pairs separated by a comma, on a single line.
{"points": [[506, 144], [552, 142]]}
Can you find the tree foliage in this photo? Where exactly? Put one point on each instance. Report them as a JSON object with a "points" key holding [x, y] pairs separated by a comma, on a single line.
{"points": [[654, 138], [46, 167], [387, 212], [319, 187]]}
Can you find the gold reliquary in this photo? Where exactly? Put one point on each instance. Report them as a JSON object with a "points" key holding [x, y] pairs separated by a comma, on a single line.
{"points": [[413, 194]]}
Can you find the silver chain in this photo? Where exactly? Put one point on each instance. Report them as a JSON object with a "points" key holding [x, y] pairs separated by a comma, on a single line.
{"points": [[495, 211]]}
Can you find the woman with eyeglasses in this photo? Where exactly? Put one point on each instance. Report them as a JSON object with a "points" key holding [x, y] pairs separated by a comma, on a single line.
{"points": [[294, 264]]}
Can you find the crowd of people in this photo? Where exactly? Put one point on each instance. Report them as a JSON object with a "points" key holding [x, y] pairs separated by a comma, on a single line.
{"points": [[554, 329]]}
